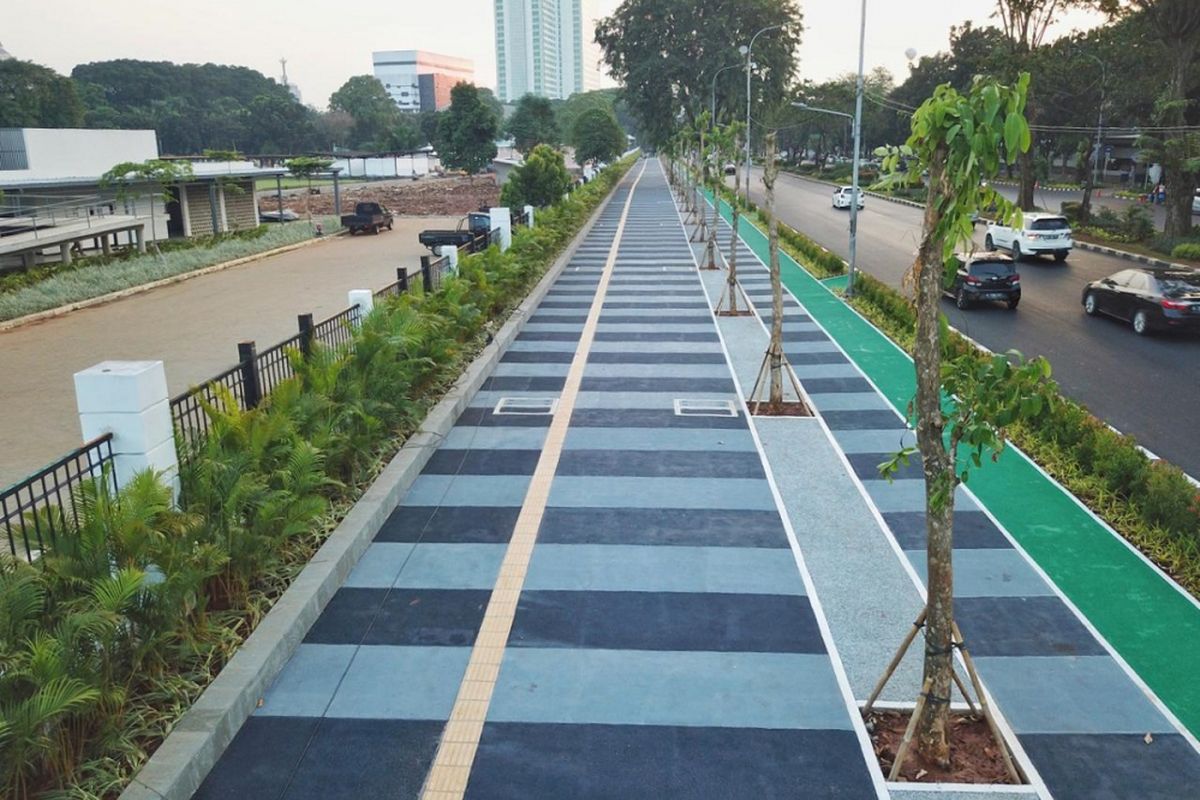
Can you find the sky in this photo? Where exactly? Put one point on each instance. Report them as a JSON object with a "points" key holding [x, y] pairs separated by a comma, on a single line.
{"points": [[326, 43]]}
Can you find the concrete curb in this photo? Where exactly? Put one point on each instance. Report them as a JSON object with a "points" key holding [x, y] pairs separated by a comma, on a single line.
{"points": [[180, 764], [121, 294], [1126, 255]]}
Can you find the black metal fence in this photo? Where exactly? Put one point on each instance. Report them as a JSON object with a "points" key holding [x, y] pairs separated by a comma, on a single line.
{"points": [[39, 508], [44, 506]]}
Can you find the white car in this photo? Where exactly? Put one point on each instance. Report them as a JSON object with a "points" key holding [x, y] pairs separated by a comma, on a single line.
{"points": [[842, 195], [1039, 234]]}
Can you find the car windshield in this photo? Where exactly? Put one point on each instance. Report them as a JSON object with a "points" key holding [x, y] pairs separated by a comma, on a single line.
{"points": [[992, 269], [1179, 285], [1048, 224]]}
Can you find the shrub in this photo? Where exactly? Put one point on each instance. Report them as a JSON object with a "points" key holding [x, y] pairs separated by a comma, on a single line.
{"points": [[1188, 250], [1136, 224]]}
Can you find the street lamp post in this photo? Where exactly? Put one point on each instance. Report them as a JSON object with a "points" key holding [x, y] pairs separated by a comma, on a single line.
{"points": [[853, 190], [714, 90], [858, 100], [1099, 120], [748, 51]]}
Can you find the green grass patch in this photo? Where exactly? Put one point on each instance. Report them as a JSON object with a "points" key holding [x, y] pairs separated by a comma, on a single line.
{"points": [[53, 285]]}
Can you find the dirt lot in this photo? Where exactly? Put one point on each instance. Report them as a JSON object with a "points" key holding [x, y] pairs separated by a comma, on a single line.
{"points": [[453, 196]]}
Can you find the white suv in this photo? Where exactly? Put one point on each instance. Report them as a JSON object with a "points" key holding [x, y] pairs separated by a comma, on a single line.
{"points": [[1039, 234], [842, 195]]}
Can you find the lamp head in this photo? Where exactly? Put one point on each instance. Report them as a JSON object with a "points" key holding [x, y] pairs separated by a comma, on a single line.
{"points": [[910, 53], [743, 49]]}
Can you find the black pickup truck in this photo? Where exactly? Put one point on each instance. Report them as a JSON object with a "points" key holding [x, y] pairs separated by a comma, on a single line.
{"points": [[468, 228], [367, 217]]}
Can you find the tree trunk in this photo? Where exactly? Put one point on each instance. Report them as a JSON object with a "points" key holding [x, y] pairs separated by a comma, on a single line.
{"points": [[731, 278], [770, 171], [938, 465], [1028, 180], [1180, 183], [1085, 205]]}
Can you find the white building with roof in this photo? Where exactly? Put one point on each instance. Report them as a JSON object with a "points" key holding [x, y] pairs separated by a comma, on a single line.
{"points": [[53, 189]]}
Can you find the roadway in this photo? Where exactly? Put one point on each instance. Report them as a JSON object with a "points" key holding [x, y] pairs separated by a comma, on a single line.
{"points": [[193, 327], [1143, 386]]}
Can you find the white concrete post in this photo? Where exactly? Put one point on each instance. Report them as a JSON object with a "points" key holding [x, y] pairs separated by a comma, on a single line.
{"points": [[364, 299], [502, 219], [529, 215], [450, 252], [129, 399]]}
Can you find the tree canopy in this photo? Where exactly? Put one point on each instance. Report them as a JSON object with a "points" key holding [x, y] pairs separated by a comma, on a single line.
{"points": [[378, 123], [467, 131], [597, 136], [667, 53], [533, 123], [37, 97], [194, 106]]}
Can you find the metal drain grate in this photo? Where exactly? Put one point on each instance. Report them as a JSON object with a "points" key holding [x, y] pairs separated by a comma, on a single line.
{"points": [[526, 405], [685, 407]]}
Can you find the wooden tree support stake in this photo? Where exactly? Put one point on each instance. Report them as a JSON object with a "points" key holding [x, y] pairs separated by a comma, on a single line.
{"points": [[762, 383], [730, 294], [1014, 772]]}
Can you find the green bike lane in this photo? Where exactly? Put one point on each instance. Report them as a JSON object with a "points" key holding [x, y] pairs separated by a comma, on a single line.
{"points": [[1151, 623]]}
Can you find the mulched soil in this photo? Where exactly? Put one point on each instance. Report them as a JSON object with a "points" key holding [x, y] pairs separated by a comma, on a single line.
{"points": [[452, 196], [975, 756], [786, 409]]}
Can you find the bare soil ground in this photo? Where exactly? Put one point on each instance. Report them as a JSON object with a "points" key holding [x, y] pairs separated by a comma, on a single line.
{"points": [[975, 756], [451, 196]]}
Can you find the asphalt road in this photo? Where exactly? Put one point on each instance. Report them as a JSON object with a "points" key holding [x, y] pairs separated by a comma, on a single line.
{"points": [[1147, 387], [193, 327]]}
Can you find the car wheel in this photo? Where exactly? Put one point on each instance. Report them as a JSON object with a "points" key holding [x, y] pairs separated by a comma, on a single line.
{"points": [[389, 226], [988, 244], [1060, 256], [1016, 251], [961, 300], [374, 230], [1012, 304], [1141, 323], [1090, 306]]}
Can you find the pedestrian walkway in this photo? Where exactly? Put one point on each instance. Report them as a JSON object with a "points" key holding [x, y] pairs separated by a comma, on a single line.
{"points": [[1087, 725], [589, 592]]}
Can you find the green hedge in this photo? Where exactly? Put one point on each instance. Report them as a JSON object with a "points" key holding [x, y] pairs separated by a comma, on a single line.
{"points": [[108, 639]]}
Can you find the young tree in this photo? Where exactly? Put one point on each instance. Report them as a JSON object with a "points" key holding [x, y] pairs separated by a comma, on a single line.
{"points": [[597, 136], [732, 140], [960, 139], [541, 181], [533, 123], [306, 167], [131, 179], [467, 131]]}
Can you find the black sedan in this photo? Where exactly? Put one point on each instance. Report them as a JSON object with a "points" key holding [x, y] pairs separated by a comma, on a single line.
{"points": [[1150, 299]]}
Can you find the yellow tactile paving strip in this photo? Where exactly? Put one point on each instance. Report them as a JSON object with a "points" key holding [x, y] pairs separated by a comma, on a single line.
{"points": [[451, 768]]}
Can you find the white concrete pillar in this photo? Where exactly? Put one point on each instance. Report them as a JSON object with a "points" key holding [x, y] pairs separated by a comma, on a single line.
{"points": [[450, 252], [364, 299], [529, 215], [129, 399], [502, 219]]}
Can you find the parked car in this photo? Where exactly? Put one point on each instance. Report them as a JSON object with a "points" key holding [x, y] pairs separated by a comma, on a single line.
{"points": [[842, 195], [730, 168], [468, 228], [287, 215], [1150, 299], [985, 277], [1039, 234], [367, 217]]}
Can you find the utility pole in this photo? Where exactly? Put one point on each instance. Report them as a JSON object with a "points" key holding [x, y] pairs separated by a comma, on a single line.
{"points": [[858, 101]]}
